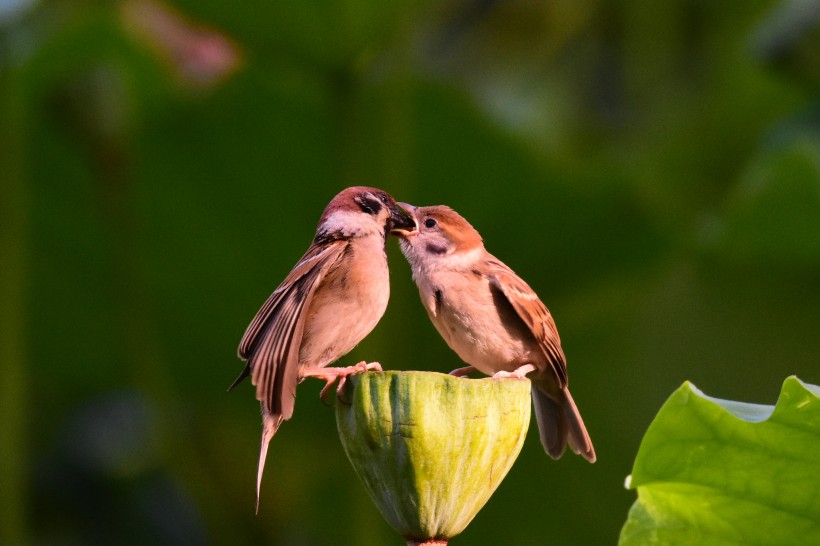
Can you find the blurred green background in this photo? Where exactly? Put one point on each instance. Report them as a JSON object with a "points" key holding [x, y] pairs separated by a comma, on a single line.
{"points": [[651, 169]]}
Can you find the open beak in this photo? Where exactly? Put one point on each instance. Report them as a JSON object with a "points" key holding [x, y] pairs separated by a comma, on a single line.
{"points": [[403, 220]]}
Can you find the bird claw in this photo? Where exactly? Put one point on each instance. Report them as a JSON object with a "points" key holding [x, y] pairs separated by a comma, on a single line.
{"points": [[326, 389], [518, 373], [331, 375], [375, 366]]}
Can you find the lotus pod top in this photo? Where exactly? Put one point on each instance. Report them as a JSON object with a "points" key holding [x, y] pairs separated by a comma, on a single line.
{"points": [[432, 448]]}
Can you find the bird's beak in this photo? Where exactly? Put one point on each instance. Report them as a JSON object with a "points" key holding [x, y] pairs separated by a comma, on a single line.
{"points": [[403, 220]]}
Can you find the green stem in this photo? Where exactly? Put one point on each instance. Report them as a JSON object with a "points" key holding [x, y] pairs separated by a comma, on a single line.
{"points": [[14, 241]]}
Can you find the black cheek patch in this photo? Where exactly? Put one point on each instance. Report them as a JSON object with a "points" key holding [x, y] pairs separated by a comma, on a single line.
{"points": [[433, 248]]}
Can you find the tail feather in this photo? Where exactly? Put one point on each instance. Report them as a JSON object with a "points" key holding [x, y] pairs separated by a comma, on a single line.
{"points": [[270, 424], [560, 423], [577, 434], [245, 373], [550, 424]]}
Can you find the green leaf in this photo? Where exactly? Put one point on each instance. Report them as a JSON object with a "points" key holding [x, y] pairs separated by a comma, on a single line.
{"points": [[713, 471]]}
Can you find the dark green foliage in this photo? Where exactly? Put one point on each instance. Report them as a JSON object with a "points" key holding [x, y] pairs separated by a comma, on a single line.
{"points": [[652, 173]]}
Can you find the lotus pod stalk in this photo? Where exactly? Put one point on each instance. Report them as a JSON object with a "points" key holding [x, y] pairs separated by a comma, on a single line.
{"points": [[431, 448]]}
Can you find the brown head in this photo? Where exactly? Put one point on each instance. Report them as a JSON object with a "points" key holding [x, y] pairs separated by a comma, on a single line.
{"points": [[441, 232], [359, 211]]}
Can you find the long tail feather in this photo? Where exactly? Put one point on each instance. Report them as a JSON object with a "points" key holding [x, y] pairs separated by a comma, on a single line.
{"points": [[270, 424]]}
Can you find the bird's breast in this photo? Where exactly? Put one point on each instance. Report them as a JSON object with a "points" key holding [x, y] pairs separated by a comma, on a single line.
{"points": [[346, 307], [471, 322]]}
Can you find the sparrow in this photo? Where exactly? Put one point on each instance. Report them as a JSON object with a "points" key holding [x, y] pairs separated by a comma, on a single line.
{"points": [[492, 319], [328, 303]]}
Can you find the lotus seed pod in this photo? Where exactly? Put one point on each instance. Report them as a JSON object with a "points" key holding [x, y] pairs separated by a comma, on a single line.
{"points": [[431, 448]]}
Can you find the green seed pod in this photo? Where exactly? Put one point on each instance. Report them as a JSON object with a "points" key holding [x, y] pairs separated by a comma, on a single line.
{"points": [[431, 448]]}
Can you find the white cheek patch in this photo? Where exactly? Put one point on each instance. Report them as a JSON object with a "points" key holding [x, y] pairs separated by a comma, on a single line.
{"points": [[458, 260], [350, 223], [420, 257]]}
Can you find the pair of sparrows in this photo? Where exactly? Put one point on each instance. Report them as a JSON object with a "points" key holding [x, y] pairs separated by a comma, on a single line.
{"points": [[338, 291]]}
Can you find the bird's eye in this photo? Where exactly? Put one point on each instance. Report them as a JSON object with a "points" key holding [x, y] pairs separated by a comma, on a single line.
{"points": [[429, 223]]}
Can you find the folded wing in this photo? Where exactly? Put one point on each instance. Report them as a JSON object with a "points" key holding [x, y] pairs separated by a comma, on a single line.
{"points": [[272, 340]]}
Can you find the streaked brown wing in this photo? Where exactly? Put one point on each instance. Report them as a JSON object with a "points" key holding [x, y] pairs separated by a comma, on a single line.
{"points": [[272, 340], [534, 314]]}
